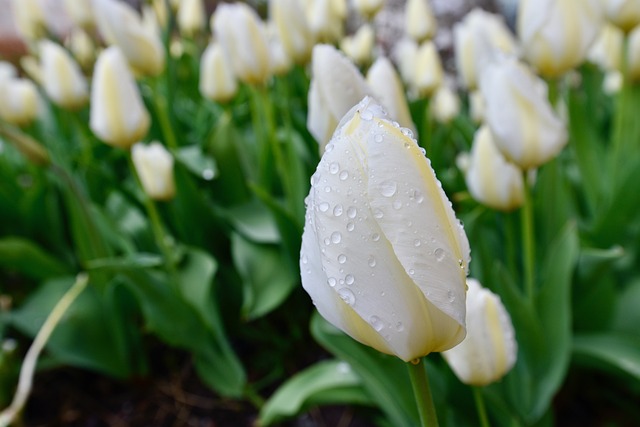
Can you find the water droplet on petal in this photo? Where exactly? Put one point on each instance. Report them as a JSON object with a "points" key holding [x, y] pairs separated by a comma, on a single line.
{"points": [[337, 210], [347, 296], [336, 237], [397, 204], [350, 226], [376, 322], [378, 137], [378, 214], [451, 296], [331, 281], [412, 272], [417, 243], [366, 115], [399, 327], [342, 258], [304, 259], [388, 188], [439, 253], [352, 212], [375, 237], [349, 279], [344, 175], [334, 168], [372, 261], [324, 206]]}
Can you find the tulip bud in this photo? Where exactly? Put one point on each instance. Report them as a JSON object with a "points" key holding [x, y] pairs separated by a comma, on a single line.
{"points": [[489, 350], [62, 79], [387, 88], [191, 17], [556, 34], [326, 20], [428, 74], [242, 35], [154, 166], [624, 14], [420, 22], [383, 256], [404, 54], [279, 61], [121, 25], [29, 18], [476, 106], [612, 82], [80, 12], [18, 101], [359, 46], [525, 127], [606, 51], [7, 71], [445, 105], [293, 29], [118, 115], [217, 81], [82, 47], [491, 179], [368, 8]]}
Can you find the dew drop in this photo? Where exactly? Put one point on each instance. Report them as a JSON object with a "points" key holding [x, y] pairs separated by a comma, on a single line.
{"points": [[349, 279], [397, 204], [304, 259], [344, 175], [451, 296], [378, 214], [347, 296], [331, 281], [342, 258], [412, 272], [439, 253], [329, 148], [337, 210], [324, 206], [376, 322], [378, 137], [336, 237], [350, 226], [366, 115], [388, 188], [327, 189], [327, 241], [352, 212], [372, 261], [423, 151], [417, 243], [334, 168], [375, 237], [399, 327], [407, 132]]}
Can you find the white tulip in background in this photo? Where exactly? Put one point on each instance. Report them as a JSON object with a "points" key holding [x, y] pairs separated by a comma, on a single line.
{"points": [[404, 55], [29, 18], [217, 80], [325, 19], [122, 26], [490, 178], [383, 256], [420, 23], [368, 8], [359, 46], [526, 128], [606, 51], [238, 28], [82, 48], [445, 104], [191, 17], [428, 74], [18, 100], [476, 106], [556, 35], [293, 29], [62, 78], [118, 115], [624, 14], [280, 62], [80, 12], [490, 349], [154, 166], [387, 88]]}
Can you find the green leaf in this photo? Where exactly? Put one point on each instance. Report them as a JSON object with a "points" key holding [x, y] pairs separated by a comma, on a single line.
{"points": [[267, 280], [254, 221], [325, 382], [197, 162], [28, 258], [626, 316], [134, 261], [196, 274], [610, 351]]}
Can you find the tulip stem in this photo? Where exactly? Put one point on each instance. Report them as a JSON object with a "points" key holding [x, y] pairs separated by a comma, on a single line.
{"points": [[162, 110], [422, 393], [528, 249], [482, 410]]}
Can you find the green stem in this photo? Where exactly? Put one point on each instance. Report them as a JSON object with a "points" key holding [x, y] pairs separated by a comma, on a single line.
{"points": [[482, 410], [162, 110], [623, 120], [528, 249], [422, 393]]}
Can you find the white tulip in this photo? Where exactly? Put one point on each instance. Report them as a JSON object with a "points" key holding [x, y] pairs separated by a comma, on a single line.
{"points": [[80, 12], [293, 29], [428, 74], [29, 18], [154, 166], [61, 76], [404, 54], [624, 14], [217, 80], [191, 17], [383, 256], [606, 51], [368, 8], [325, 19], [489, 350], [445, 105], [476, 106], [420, 23], [18, 100], [359, 46], [118, 115]]}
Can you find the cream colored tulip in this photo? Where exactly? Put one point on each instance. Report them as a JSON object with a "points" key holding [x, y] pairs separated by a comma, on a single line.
{"points": [[325, 19], [387, 88], [82, 47], [490, 349], [368, 8], [383, 256], [606, 51], [279, 62], [122, 26], [428, 74], [29, 18], [556, 34], [445, 104], [61, 76], [420, 23], [525, 127], [80, 12], [293, 29], [18, 101], [191, 17], [624, 14], [217, 80], [404, 54], [478, 38], [241, 33], [359, 46], [118, 115], [491, 179], [154, 166], [476, 106]]}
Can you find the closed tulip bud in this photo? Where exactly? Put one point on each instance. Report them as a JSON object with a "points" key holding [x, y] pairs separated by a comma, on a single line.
{"points": [[556, 34], [122, 26], [477, 39], [82, 47], [404, 54], [279, 61], [61, 76], [383, 256], [491, 179], [612, 82], [525, 127], [80, 12], [325, 19], [7, 71], [489, 350], [420, 23], [293, 29], [118, 115], [336, 86], [624, 14], [242, 35], [359, 46], [387, 88], [191, 17], [154, 166], [445, 105], [428, 74], [476, 106], [18, 101], [606, 51], [368, 8], [29, 18], [217, 80]]}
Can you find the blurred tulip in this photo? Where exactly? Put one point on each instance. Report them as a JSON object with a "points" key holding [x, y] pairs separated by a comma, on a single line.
{"points": [[80, 12], [121, 25], [368, 8], [61, 76], [29, 18], [633, 55], [359, 46], [387, 88], [154, 166], [279, 62], [217, 80], [383, 256], [556, 34], [7, 71], [404, 54], [118, 115], [18, 101], [525, 127], [606, 51], [293, 29], [191, 17], [612, 82], [336, 86], [477, 38], [445, 105], [476, 106], [491, 179], [420, 24], [239, 30], [624, 14], [326, 19], [489, 350], [82, 47], [428, 74]]}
